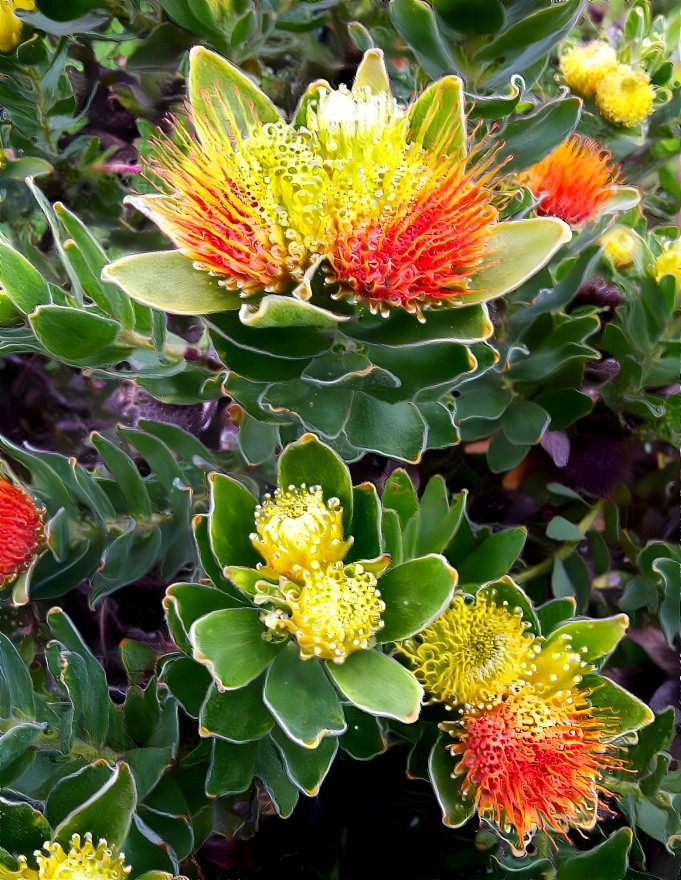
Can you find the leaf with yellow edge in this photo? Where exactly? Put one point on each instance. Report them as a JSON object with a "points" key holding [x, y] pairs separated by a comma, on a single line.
{"points": [[437, 118], [372, 73]]}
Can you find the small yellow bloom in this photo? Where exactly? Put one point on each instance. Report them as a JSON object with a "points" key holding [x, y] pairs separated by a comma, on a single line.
{"points": [[669, 261], [298, 532], [82, 862], [620, 246], [625, 96], [585, 66], [334, 614], [471, 653], [10, 25]]}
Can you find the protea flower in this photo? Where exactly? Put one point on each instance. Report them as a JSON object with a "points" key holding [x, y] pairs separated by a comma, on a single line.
{"points": [[82, 860], [583, 67], [669, 261], [625, 96], [383, 200], [10, 25], [620, 245], [21, 531]]}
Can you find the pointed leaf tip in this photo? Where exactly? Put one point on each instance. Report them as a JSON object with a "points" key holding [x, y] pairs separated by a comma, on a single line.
{"points": [[372, 73]]}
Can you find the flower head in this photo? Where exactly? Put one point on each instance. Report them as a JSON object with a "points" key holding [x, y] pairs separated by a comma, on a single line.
{"points": [[534, 760], [620, 246], [669, 261], [297, 532], [336, 612], [471, 653], [585, 66], [21, 531], [625, 96], [574, 182], [10, 25], [83, 861]]}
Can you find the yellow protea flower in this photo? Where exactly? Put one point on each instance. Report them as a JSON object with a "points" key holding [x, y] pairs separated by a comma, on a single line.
{"points": [[625, 96], [669, 261], [298, 532], [583, 67], [10, 25], [83, 861], [620, 246], [336, 612], [472, 652]]}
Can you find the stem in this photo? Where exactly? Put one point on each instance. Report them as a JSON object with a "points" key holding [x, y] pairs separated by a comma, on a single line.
{"points": [[546, 565]]}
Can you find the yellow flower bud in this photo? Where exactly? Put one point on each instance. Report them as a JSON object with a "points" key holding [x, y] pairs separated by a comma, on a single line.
{"points": [[625, 96], [620, 246], [669, 261], [585, 66], [10, 25]]}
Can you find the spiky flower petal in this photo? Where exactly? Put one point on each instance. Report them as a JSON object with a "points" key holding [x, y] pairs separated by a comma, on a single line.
{"points": [[620, 246], [585, 66], [298, 532], [471, 653], [21, 531], [669, 261], [336, 612], [10, 25], [625, 96], [83, 861], [574, 182]]}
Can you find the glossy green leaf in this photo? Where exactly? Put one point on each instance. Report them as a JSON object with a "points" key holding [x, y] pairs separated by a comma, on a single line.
{"points": [[528, 139], [607, 860], [624, 711], [232, 767], [415, 593], [670, 605], [232, 521], [185, 603], [23, 829], [16, 685], [493, 558], [237, 716], [437, 116], [415, 22], [21, 281], [312, 462], [392, 535], [396, 430], [167, 280], [287, 311], [363, 738], [471, 16], [517, 250], [464, 321], [125, 474], [524, 422], [399, 495], [591, 639], [72, 334], [456, 810], [507, 593], [15, 754], [188, 681], [270, 771], [231, 644], [437, 522], [554, 612], [378, 684], [301, 698], [306, 768], [366, 523]]}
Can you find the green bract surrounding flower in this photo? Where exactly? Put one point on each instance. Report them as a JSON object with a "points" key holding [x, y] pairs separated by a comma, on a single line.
{"points": [[82, 861]]}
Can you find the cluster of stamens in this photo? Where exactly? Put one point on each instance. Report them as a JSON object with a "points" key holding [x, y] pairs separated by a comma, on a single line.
{"points": [[82, 861]]}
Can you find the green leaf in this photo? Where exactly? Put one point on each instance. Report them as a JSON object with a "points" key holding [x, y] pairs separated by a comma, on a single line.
{"points": [[231, 644], [503, 455], [524, 422], [670, 605], [415, 593], [471, 16], [270, 771], [591, 639], [212, 79], [136, 657], [625, 710], [518, 249], [301, 698], [554, 612], [530, 138], [312, 462], [167, 280], [399, 495], [396, 430], [363, 739], [378, 684], [275, 311], [57, 11], [460, 322], [188, 681], [437, 116], [16, 685], [306, 767], [607, 861], [237, 716], [437, 522], [126, 475], [15, 755], [107, 814], [392, 536], [23, 829], [493, 558], [506, 592], [21, 281], [455, 810], [415, 22], [366, 523], [232, 767], [232, 521], [185, 603], [561, 529], [72, 334]]}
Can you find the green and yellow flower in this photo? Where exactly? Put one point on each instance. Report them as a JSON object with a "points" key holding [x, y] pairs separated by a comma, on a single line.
{"points": [[10, 25], [82, 861]]}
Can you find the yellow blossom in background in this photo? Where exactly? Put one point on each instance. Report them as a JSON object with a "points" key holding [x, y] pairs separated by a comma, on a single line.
{"points": [[669, 261], [472, 652], [583, 67], [620, 245], [298, 532], [10, 25], [625, 96], [83, 861]]}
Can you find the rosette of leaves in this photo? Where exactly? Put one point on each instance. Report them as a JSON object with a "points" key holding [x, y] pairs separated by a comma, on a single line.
{"points": [[301, 354], [274, 701]]}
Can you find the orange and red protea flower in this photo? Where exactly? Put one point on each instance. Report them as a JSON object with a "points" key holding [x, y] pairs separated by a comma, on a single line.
{"points": [[21, 531], [574, 182]]}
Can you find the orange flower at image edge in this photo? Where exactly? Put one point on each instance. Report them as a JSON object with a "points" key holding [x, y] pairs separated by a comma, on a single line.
{"points": [[21, 531]]}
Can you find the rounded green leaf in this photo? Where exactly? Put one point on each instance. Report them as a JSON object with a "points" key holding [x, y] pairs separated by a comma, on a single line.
{"points": [[306, 768], [301, 698], [191, 601], [72, 334], [626, 712], [456, 810], [232, 521], [363, 739], [270, 771], [231, 768], [231, 644], [21, 281], [312, 462], [378, 684], [287, 311], [415, 594], [591, 639], [22, 829], [188, 682], [524, 422], [517, 249], [415, 22], [607, 861], [492, 559], [552, 613], [464, 320], [397, 430], [237, 716], [167, 280]]}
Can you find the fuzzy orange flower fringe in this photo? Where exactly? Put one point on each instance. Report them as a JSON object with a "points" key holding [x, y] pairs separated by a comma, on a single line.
{"points": [[21, 531]]}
